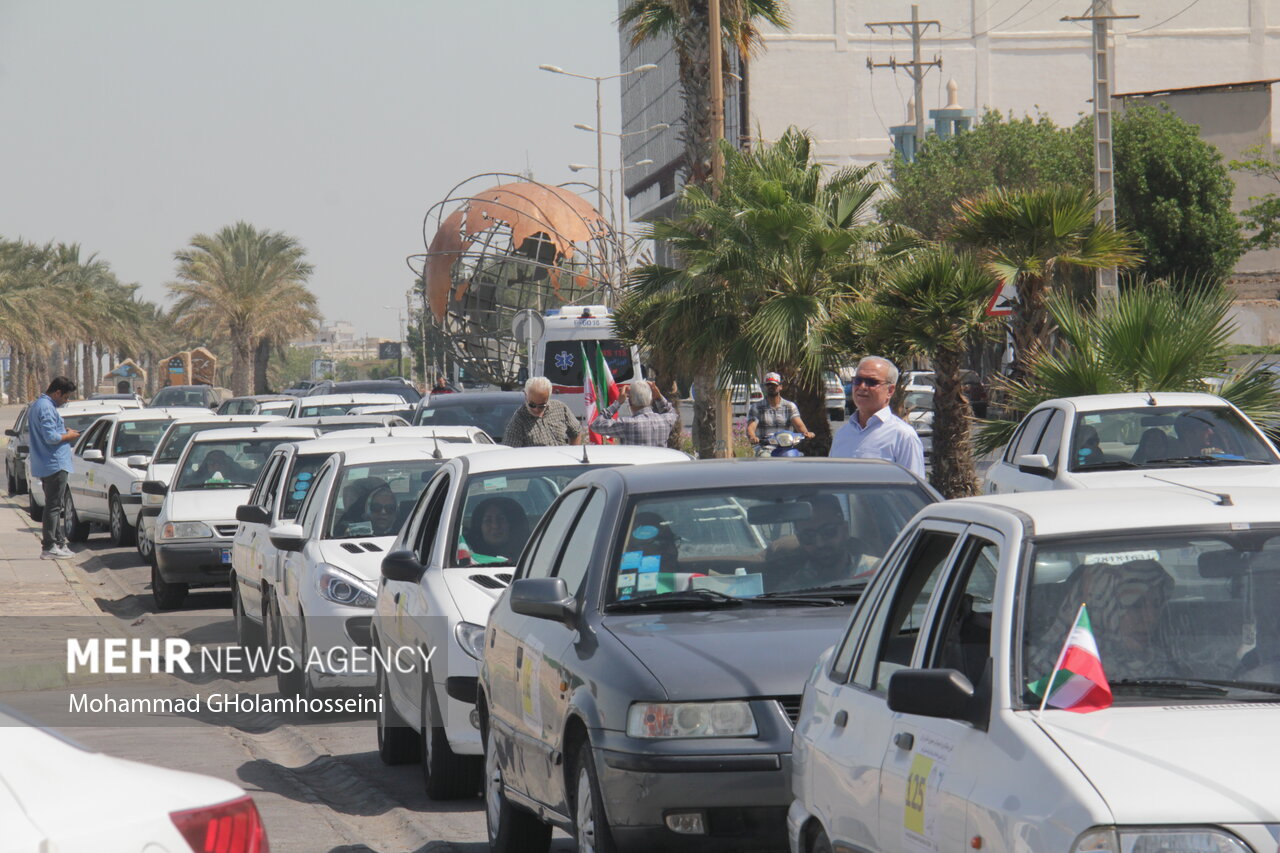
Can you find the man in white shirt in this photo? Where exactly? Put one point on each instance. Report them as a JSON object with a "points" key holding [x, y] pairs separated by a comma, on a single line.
{"points": [[875, 432]]}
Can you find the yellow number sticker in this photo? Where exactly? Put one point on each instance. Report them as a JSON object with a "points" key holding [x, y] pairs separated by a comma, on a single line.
{"points": [[917, 780]]}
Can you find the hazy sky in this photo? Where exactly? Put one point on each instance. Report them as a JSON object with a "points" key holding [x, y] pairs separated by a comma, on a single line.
{"points": [[131, 125]]}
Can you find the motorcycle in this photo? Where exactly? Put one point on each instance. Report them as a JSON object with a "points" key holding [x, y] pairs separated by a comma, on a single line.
{"points": [[782, 443]]}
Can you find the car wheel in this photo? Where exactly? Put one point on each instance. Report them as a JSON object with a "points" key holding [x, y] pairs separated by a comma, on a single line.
{"points": [[122, 532], [271, 629], [13, 483], [445, 774], [168, 596], [248, 634], [290, 681], [397, 742], [590, 825], [76, 530], [511, 828], [146, 548], [34, 509], [819, 843]]}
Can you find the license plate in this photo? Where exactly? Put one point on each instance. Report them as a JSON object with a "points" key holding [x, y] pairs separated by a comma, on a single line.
{"points": [[226, 556]]}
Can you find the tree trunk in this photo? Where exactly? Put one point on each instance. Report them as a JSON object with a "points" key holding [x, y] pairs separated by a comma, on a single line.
{"points": [[261, 360], [87, 381], [954, 473], [704, 412], [241, 362], [812, 403], [1030, 325], [18, 381]]}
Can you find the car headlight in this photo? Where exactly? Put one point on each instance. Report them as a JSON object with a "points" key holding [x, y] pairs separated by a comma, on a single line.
{"points": [[135, 488], [1158, 839], [691, 719], [343, 588], [471, 637], [185, 530]]}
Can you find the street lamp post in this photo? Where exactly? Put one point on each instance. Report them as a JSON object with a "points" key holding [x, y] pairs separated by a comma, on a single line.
{"points": [[621, 214], [622, 167]]}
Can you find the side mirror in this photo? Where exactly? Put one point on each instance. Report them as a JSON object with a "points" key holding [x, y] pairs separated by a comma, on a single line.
{"points": [[138, 462], [252, 514], [94, 455], [154, 487], [544, 598], [12, 432], [287, 537], [944, 693], [1034, 463], [402, 566]]}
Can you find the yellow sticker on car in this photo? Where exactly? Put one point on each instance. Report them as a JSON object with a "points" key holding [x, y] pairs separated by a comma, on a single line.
{"points": [[917, 783]]}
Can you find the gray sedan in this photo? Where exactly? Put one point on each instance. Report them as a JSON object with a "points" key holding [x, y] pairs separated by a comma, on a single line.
{"points": [[643, 671]]}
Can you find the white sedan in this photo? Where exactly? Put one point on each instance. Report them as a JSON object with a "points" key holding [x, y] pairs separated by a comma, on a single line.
{"points": [[59, 797], [1147, 439], [323, 405]]}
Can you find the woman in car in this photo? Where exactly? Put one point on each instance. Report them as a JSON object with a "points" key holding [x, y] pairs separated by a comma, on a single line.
{"points": [[498, 531]]}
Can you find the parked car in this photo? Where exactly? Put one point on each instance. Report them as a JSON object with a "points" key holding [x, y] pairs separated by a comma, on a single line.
{"points": [[61, 796], [462, 434], [399, 409], [1110, 440], [251, 405], [197, 521], [399, 387], [126, 401], [918, 406], [642, 672], [202, 396], [440, 579], [835, 396], [924, 727], [331, 555], [160, 468], [15, 454], [321, 405], [281, 407], [489, 410], [78, 415], [108, 461], [337, 423], [918, 379]]}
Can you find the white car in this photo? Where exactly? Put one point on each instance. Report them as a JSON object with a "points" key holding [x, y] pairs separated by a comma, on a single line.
{"points": [[320, 611], [834, 394], [923, 728], [165, 458], [440, 581], [322, 405], [455, 434], [1110, 440], [78, 415], [274, 407], [105, 485], [197, 521], [57, 796]]}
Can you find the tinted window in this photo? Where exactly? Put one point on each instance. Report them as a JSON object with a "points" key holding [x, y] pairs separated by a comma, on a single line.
{"points": [[563, 361], [319, 411], [431, 520]]}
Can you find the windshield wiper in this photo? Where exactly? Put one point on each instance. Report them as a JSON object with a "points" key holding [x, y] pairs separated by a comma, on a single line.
{"points": [[1232, 684], [1203, 460], [1108, 466], [846, 591], [683, 598], [797, 596], [1193, 686]]}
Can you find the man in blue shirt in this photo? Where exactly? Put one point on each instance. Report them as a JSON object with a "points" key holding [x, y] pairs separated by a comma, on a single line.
{"points": [[50, 458], [874, 432]]}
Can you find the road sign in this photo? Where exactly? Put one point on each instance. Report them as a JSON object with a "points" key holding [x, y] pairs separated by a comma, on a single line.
{"points": [[1002, 299], [389, 349]]}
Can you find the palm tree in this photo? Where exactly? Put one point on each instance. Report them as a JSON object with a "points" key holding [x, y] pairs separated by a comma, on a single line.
{"points": [[231, 282], [294, 314], [1028, 238], [1155, 337], [933, 304]]}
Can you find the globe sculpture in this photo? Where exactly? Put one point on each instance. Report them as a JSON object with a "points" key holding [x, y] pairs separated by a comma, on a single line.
{"points": [[492, 252]]}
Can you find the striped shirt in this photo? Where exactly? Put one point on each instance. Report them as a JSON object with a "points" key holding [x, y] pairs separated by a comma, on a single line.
{"points": [[649, 426]]}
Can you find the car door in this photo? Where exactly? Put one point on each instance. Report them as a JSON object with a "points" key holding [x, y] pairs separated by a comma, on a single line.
{"points": [[91, 499], [849, 742], [246, 553], [930, 764], [1005, 475], [293, 563]]}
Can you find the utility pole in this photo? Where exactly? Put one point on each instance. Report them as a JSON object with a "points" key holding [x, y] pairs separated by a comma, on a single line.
{"points": [[724, 404], [1101, 15], [917, 68]]}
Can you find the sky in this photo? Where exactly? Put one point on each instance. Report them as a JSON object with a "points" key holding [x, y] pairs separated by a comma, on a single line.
{"points": [[132, 125]]}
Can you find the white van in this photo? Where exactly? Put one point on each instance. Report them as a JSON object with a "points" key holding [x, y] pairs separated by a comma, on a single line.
{"points": [[571, 333]]}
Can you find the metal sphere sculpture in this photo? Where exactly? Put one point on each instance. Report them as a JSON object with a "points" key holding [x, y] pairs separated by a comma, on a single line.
{"points": [[492, 252]]}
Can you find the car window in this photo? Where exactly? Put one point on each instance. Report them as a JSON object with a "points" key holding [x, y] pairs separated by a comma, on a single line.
{"points": [[81, 422], [563, 361], [225, 464], [177, 436], [842, 659], [895, 626], [101, 439], [305, 466], [138, 437], [542, 560], [964, 631], [755, 539], [319, 411], [313, 503], [430, 521], [575, 559], [1029, 436], [374, 498], [91, 438], [1165, 436], [264, 494], [1050, 442], [490, 417]]}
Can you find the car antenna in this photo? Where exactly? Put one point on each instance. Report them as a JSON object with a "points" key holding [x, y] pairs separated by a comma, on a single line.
{"points": [[436, 454], [1223, 499], [585, 460], [1151, 400]]}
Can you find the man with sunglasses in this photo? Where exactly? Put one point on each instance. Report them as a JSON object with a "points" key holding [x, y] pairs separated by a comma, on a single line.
{"points": [[875, 432], [822, 553], [541, 421], [771, 415]]}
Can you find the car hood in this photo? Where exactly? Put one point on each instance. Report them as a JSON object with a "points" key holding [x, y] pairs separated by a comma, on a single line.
{"points": [[206, 505], [1179, 764], [748, 651], [475, 588], [160, 472], [361, 556], [1209, 477]]}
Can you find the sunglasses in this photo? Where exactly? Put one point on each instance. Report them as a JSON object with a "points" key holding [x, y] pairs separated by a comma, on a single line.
{"points": [[378, 507], [829, 530], [536, 406], [868, 381]]}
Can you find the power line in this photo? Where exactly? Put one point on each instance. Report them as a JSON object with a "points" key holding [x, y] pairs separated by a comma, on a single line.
{"points": [[1185, 8]]}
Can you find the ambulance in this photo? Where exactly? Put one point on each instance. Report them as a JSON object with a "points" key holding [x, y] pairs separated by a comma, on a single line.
{"points": [[571, 333]]}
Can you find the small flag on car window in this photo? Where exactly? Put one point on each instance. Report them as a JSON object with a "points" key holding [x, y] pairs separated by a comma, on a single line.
{"points": [[1077, 682]]}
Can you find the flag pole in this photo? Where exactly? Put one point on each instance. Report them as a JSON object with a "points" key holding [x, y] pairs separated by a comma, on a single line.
{"points": [[1062, 655]]}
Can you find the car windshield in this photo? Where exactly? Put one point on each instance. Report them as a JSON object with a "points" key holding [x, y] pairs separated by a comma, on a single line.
{"points": [[138, 438], [373, 499], [176, 439], [501, 508], [80, 423], [180, 397], [918, 400], [231, 464], [305, 466], [1172, 616], [319, 411], [353, 423], [274, 407], [1163, 437], [490, 417], [747, 541]]}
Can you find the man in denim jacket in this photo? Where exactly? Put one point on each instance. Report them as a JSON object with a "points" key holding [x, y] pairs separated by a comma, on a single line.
{"points": [[50, 458]]}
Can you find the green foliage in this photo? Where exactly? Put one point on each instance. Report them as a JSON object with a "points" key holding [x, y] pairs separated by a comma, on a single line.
{"points": [[1263, 218]]}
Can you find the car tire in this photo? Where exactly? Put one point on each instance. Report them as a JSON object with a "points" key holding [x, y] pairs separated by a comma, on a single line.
{"points": [[818, 842], [12, 484], [76, 530], [590, 823], [511, 828], [290, 681], [248, 634], [146, 548], [445, 774], [168, 596], [34, 509], [398, 743], [122, 532]]}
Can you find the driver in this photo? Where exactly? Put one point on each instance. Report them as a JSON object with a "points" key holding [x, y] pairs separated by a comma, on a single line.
{"points": [[824, 552], [218, 467], [1195, 436]]}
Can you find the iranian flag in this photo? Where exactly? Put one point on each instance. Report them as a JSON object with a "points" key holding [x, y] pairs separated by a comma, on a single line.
{"points": [[598, 390], [1077, 682]]}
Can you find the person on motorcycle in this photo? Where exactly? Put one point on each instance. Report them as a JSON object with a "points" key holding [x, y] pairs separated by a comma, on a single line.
{"points": [[771, 415]]}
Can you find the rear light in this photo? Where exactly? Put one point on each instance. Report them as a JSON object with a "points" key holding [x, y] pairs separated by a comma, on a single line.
{"points": [[230, 827]]}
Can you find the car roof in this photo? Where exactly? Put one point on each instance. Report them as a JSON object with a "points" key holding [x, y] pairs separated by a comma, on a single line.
{"points": [[281, 435], [509, 459], [368, 399], [163, 413], [1065, 511], [723, 473], [1100, 402], [466, 431], [334, 442], [235, 419], [84, 407], [460, 398], [261, 398], [393, 451], [321, 420]]}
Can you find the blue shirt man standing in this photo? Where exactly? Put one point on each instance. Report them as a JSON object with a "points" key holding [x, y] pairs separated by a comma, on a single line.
{"points": [[50, 458]]}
